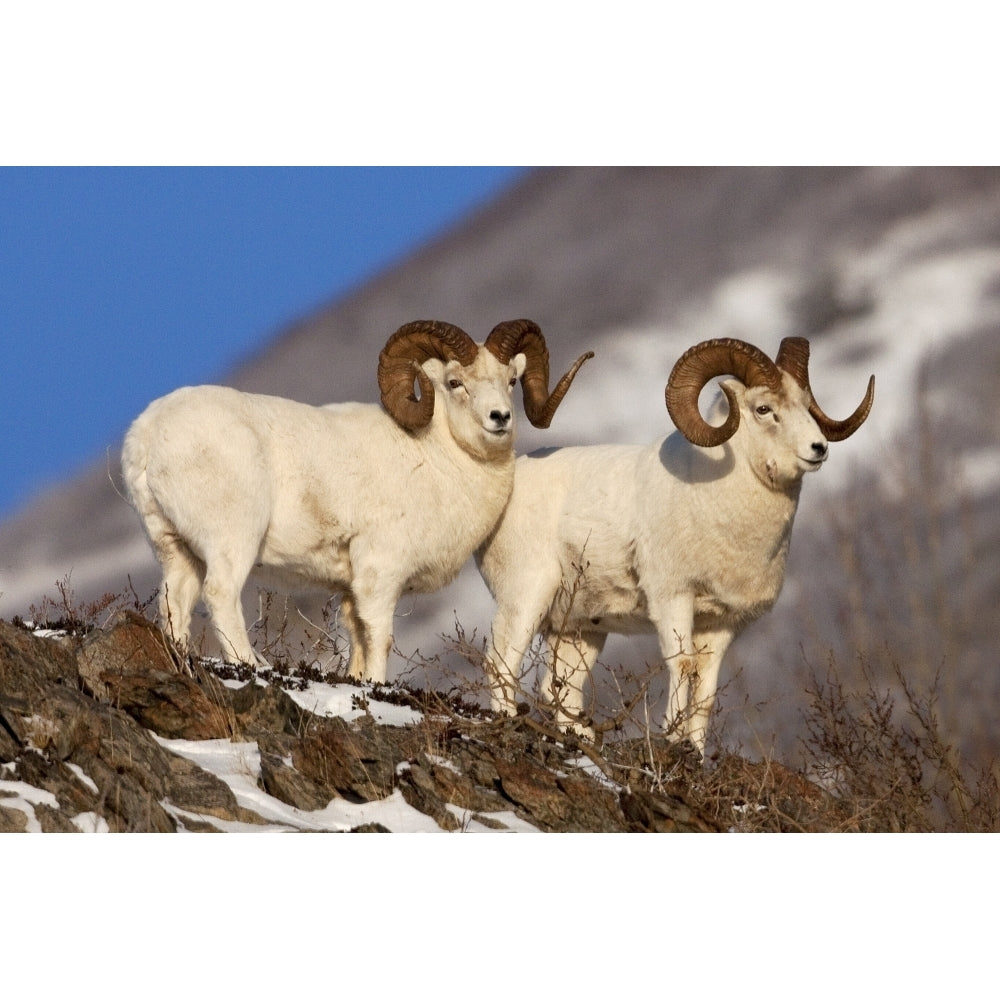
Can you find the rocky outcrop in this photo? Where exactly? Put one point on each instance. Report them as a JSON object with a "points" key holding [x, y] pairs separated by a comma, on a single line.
{"points": [[87, 724]]}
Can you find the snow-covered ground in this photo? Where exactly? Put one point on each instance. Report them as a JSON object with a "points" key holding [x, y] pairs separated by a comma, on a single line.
{"points": [[238, 765]]}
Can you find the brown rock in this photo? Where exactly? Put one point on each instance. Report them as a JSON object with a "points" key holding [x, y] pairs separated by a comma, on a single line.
{"points": [[289, 786], [133, 667], [12, 820], [132, 646], [558, 802], [78, 717], [652, 813], [420, 790], [265, 708], [28, 662], [350, 760]]}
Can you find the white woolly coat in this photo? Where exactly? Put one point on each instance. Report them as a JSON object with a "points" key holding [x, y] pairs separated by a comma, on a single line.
{"points": [[306, 482], [627, 530]]}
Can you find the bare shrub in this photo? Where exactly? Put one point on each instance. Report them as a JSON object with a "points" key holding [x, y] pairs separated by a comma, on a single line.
{"points": [[287, 637], [903, 594], [888, 760], [67, 613]]}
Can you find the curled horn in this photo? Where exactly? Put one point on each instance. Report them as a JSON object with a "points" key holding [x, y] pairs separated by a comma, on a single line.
{"points": [[522, 336], [699, 365], [793, 357], [399, 364]]}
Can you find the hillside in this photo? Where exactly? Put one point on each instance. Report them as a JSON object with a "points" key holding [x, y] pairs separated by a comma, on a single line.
{"points": [[106, 729]]}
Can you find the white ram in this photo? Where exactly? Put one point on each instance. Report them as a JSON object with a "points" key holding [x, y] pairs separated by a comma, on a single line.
{"points": [[685, 538], [347, 498]]}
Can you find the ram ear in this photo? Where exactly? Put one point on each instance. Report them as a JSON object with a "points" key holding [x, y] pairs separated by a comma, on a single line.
{"points": [[728, 401]]}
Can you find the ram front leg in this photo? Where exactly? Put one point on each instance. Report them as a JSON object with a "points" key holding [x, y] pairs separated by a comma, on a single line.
{"points": [[674, 620], [680, 666], [376, 642], [357, 667], [704, 682], [371, 607], [509, 642]]}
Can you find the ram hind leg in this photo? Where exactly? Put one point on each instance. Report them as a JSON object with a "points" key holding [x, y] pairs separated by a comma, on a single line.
{"points": [[183, 572], [183, 578], [225, 575], [357, 665], [568, 666]]}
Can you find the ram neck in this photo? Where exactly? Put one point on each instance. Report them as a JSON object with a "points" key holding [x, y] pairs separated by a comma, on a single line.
{"points": [[761, 514], [473, 491], [722, 485]]}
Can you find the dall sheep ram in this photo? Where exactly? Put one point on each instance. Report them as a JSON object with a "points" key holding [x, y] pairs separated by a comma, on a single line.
{"points": [[686, 538], [348, 498]]}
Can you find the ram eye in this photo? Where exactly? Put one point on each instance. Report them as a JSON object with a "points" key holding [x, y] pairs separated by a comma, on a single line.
{"points": [[454, 383], [513, 382], [763, 409]]}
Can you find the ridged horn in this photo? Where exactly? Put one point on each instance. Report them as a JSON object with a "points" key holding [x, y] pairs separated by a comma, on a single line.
{"points": [[696, 367], [522, 336], [793, 357], [399, 364]]}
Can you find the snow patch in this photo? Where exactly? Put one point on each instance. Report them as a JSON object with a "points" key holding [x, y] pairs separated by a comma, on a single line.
{"points": [[24, 797], [89, 822], [83, 777], [343, 700]]}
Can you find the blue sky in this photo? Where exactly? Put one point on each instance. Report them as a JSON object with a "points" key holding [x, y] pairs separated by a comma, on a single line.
{"points": [[117, 284]]}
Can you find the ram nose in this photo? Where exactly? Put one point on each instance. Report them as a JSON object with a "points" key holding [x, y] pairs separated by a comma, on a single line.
{"points": [[500, 420], [818, 451]]}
